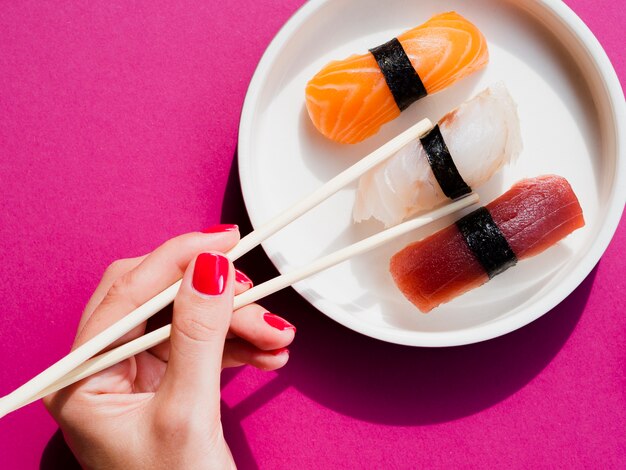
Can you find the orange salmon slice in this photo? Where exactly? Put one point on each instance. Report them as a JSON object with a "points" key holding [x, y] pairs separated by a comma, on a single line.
{"points": [[349, 100]]}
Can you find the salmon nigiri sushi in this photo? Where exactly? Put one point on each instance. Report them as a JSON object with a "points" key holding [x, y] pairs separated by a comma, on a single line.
{"points": [[529, 218], [481, 136], [349, 100]]}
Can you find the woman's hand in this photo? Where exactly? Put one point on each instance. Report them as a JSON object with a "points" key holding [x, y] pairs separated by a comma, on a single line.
{"points": [[161, 408]]}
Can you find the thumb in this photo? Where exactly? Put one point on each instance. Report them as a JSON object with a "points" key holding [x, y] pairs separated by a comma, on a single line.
{"points": [[202, 312]]}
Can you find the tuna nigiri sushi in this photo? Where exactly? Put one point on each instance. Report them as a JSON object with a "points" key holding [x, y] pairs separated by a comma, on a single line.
{"points": [[481, 136], [532, 216], [349, 100]]}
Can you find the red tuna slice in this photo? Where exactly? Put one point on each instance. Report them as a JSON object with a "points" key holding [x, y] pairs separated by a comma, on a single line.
{"points": [[533, 215]]}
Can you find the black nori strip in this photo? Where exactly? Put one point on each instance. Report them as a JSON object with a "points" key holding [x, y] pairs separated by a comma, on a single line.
{"points": [[405, 84], [444, 169], [487, 242]]}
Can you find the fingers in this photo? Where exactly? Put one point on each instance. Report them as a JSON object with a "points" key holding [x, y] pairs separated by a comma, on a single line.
{"points": [[264, 330], [202, 314], [238, 353], [156, 272], [264, 338], [242, 284], [255, 336]]}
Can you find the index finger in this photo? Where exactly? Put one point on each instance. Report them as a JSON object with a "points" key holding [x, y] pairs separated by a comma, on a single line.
{"points": [[114, 271]]}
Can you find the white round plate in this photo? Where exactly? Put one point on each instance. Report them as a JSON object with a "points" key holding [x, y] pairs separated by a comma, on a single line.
{"points": [[572, 114]]}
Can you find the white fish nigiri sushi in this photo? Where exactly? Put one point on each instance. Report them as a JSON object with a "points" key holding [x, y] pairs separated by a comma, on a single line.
{"points": [[482, 135]]}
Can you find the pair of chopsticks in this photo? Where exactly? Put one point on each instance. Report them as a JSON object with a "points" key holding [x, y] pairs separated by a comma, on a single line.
{"points": [[81, 363]]}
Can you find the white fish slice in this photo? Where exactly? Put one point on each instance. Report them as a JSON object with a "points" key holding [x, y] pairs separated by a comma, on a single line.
{"points": [[482, 135]]}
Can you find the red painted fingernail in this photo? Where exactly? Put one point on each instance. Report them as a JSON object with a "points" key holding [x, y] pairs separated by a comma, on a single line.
{"points": [[241, 278], [280, 351], [210, 273], [277, 322], [221, 228]]}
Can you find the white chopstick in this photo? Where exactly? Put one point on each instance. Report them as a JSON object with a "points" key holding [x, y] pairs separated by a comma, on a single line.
{"points": [[155, 337], [96, 344]]}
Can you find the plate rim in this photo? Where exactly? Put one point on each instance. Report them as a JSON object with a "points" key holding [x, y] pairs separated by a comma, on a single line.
{"points": [[543, 305]]}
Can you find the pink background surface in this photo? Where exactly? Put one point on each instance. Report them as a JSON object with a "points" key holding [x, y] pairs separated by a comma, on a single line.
{"points": [[118, 130]]}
